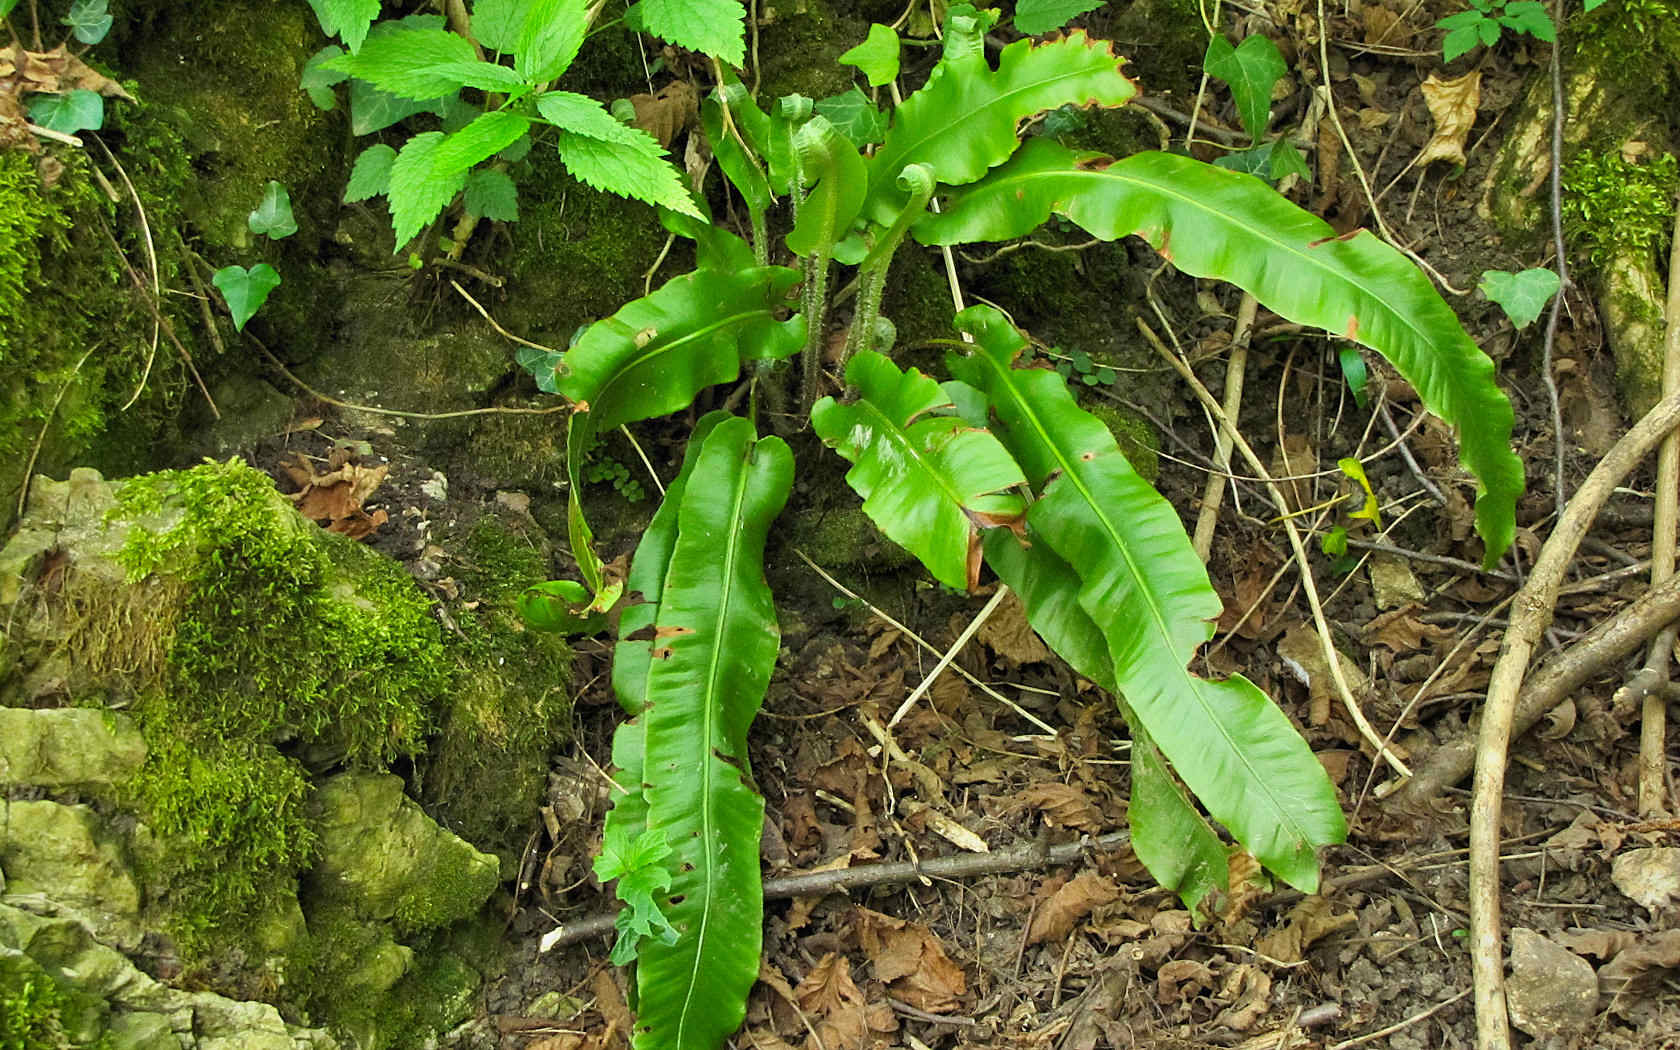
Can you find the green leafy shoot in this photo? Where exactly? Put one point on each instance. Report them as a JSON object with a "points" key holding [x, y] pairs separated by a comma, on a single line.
{"points": [[245, 290], [877, 57], [89, 20], [1521, 295], [639, 866], [273, 217], [1251, 69], [1486, 21], [6, 7], [1036, 17], [68, 113]]}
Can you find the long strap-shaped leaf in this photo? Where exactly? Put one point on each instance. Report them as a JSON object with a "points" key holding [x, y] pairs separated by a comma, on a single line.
{"points": [[1172, 839], [963, 120], [656, 353], [1210, 222], [1147, 592], [715, 645], [931, 482]]}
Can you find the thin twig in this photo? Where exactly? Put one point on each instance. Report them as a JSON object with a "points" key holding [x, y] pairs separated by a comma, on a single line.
{"points": [[1331, 657], [821, 883], [1406, 454], [1653, 729], [1558, 495], [950, 654], [46, 425], [1531, 616], [1213, 494], [503, 332], [152, 261], [1421, 1015]]}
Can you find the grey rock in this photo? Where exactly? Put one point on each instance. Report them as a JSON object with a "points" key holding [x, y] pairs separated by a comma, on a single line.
{"points": [[63, 853], [1552, 992], [68, 747]]}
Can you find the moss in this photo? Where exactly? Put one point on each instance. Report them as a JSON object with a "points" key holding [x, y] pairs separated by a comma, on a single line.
{"points": [[1634, 43], [1612, 205], [271, 645], [1165, 41], [39, 1013], [1137, 439], [487, 771], [800, 44]]}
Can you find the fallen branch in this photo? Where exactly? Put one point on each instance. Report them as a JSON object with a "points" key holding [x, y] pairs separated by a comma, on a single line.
{"points": [[821, 883], [1653, 732], [1597, 651], [1531, 615]]}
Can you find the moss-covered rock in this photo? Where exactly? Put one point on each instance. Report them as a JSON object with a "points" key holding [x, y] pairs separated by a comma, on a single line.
{"points": [[66, 853], [68, 747]]}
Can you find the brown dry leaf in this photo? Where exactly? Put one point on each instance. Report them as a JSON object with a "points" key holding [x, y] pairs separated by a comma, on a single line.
{"points": [[1008, 634], [1600, 944], [1290, 460], [1401, 631], [837, 1008], [335, 498], [1248, 989], [668, 113], [1056, 917], [1181, 979], [1386, 26], [55, 71], [911, 961], [609, 999], [1307, 922], [1625, 980], [1303, 652], [1452, 105], [1650, 877], [563, 1041], [829, 986], [1063, 805]]}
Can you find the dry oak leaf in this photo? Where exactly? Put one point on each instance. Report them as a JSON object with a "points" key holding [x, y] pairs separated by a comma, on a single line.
{"points": [[1056, 917], [1307, 922], [668, 113], [1625, 980], [57, 70], [1063, 805], [1007, 633], [1452, 105], [908, 958], [336, 497], [842, 1016]]}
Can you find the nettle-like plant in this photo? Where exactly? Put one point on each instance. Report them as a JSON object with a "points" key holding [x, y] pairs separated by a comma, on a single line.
{"points": [[997, 466]]}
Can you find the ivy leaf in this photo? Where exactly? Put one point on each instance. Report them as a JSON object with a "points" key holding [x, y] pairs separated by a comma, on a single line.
{"points": [[876, 57], [348, 19], [855, 117], [1269, 160], [1521, 295], [628, 172], [374, 110], [273, 217], [491, 194], [78, 110], [549, 38], [319, 81], [371, 174], [711, 27], [1250, 68], [416, 192], [245, 290], [1036, 17], [89, 20]]}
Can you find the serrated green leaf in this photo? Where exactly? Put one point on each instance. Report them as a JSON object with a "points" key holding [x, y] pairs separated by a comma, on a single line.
{"points": [[319, 81], [835, 173], [89, 20], [1036, 17], [628, 172], [496, 23], [1462, 40], [273, 216], [1250, 68], [717, 643], [1213, 223], [854, 116], [963, 121], [487, 135], [930, 482], [68, 113], [1147, 592], [1529, 16], [549, 38], [417, 192], [371, 174], [491, 194], [711, 27], [656, 353], [347, 19], [245, 290], [582, 115], [877, 56], [1521, 295], [413, 63]]}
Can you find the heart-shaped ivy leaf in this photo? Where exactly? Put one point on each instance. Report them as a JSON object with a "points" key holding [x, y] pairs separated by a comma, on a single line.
{"points": [[245, 290], [273, 217], [74, 111]]}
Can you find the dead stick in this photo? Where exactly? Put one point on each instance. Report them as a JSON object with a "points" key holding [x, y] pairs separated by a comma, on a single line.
{"points": [[1207, 519], [1531, 615], [1610, 641], [1653, 726], [821, 883]]}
